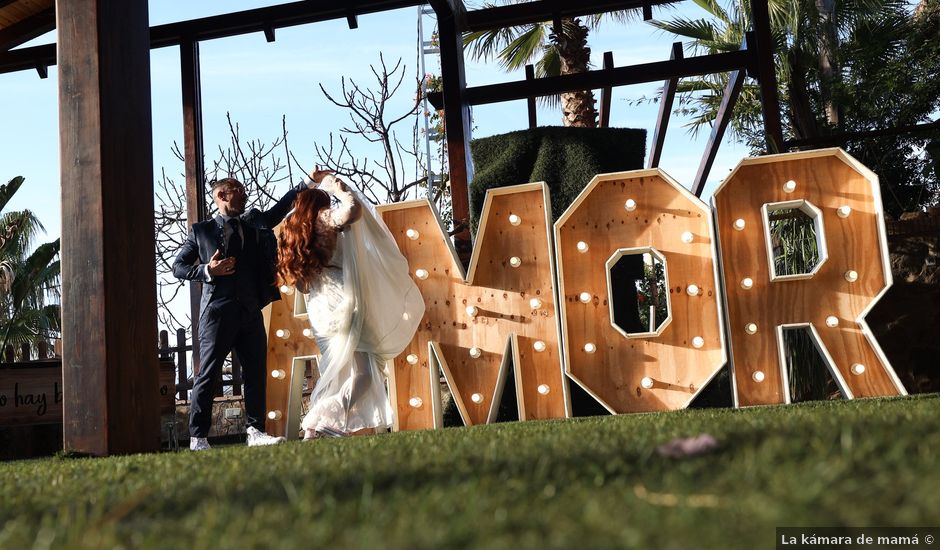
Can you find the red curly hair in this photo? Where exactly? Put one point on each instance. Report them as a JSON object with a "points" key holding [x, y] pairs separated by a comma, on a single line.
{"points": [[305, 246]]}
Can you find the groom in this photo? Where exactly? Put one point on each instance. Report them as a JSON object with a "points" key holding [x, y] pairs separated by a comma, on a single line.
{"points": [[234, 255]]}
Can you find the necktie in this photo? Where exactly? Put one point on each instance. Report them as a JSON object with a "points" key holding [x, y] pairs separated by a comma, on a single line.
{"points": [[235, 240]]}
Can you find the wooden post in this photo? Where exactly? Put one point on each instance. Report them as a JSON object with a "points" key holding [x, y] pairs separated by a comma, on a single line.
{"points": [[195, 167], [530, 102], [450, 22], [109, 310], [728, 99], [164, 345], [24, 352], [763, 45], [665, 112], [606, 93], [183, 383]]}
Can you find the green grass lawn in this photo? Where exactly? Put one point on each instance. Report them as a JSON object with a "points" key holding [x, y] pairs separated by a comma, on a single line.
{"points": [[581, 483]]}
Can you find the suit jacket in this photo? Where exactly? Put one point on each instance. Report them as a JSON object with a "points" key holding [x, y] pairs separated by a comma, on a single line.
{"points": [[253, 283]]}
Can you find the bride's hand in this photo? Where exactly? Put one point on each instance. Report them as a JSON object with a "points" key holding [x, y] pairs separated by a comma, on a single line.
{"points": [[317, 175]]}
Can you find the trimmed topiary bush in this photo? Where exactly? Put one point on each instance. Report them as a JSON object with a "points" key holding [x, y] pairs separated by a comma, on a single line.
{"points": [[565, 158]]}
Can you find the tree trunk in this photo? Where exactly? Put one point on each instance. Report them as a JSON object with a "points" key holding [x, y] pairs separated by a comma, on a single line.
{"points": [[828, 69], [802, 119], [577, 107]]}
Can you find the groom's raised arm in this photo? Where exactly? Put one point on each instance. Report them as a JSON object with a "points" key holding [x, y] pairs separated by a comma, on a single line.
{"points": [[276, 213]]}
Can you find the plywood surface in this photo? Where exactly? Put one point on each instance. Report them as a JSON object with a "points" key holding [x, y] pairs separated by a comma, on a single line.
{"points": [[828, 180], [614, 372]]}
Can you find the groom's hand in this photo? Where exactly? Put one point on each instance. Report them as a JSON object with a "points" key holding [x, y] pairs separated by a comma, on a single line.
{"points": [[219, 266]]}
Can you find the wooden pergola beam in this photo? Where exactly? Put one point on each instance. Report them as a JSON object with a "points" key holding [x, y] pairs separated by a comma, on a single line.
{"points": [[451, 16], [222, 26], [548, 10], [109, 309], [839, 139], [606, 93], [763, 45], [618, 76], [194, 158], [32, 27], [666, 99], [530, 102], [725, 110]]}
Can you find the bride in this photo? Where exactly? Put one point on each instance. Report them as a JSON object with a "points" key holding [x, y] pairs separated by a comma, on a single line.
{"points": [[362, 304]]}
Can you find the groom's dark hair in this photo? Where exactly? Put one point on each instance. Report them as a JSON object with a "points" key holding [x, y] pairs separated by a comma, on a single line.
{"points": [[215, 184]]}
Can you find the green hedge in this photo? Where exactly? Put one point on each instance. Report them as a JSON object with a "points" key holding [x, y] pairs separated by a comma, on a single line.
{"points": [[565, 158]]}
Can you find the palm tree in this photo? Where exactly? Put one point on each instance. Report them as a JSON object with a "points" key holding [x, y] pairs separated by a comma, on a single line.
{"points": [[553, 54], [28, 280], [808, 36]]}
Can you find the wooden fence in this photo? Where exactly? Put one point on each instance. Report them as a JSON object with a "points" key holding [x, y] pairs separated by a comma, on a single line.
{"points": [[179, 354]]}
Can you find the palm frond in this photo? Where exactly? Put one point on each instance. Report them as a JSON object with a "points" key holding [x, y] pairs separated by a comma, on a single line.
{"points": [[714, 9], [523, 48], [18, 230], [37, 262], [7, 191], [696, 29]]}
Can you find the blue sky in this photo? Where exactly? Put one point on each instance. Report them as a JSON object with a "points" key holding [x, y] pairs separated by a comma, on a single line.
{"points": [[258, 82]]}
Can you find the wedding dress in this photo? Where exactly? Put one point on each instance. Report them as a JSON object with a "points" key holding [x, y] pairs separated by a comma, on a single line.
{"points": [[364, 309]]}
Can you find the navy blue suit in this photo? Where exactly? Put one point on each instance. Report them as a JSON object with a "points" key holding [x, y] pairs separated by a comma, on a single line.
{"points": [[230, 311]]}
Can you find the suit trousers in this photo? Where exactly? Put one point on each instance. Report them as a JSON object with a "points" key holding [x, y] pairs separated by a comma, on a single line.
{"points": [[226, 325]]}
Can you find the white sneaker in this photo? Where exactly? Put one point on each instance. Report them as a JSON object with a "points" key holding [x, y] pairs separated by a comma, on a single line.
{"points": [[257, 438], [199, 444]]}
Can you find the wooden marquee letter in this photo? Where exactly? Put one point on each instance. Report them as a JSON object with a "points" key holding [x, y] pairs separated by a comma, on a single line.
{"points": [[842, 198], [505, 304], [658, 367]]}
